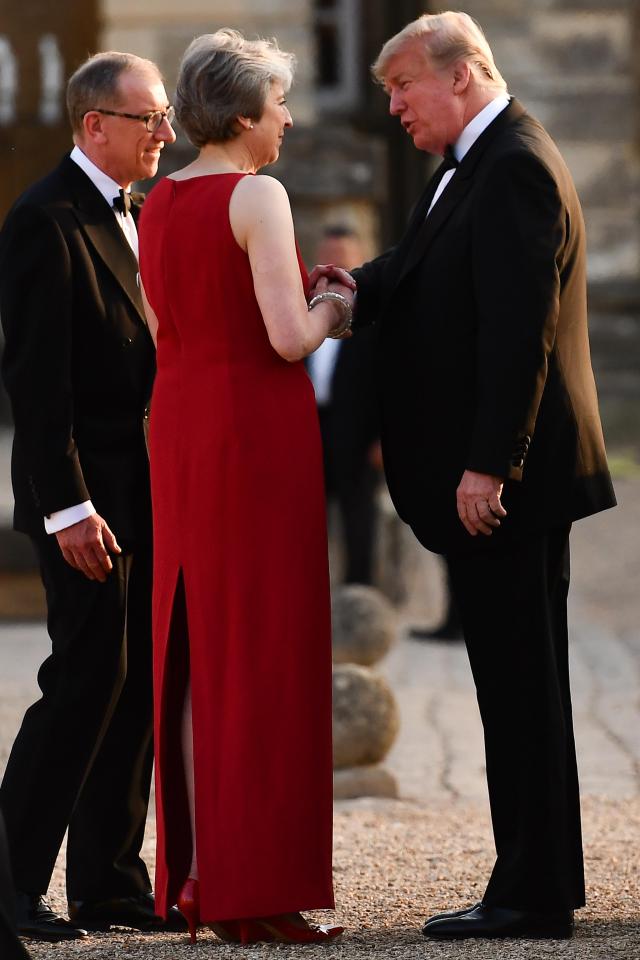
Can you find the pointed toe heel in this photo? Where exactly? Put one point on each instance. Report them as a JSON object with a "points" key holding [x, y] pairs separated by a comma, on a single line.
{"points": [[295, 929], [189, 906]]}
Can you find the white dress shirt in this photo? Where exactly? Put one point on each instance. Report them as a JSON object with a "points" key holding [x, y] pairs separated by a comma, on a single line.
{"points": [[321, 364], [60, 519], [469, 136]]}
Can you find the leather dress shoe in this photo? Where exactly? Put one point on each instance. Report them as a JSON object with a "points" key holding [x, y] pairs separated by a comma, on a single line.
{"points": [[493, 922], [137, 912], [453, 913], [35, 919]]}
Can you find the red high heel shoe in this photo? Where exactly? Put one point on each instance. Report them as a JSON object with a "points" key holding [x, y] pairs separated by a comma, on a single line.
{"points": [[293, 928], [254, 931], [189, 905]]}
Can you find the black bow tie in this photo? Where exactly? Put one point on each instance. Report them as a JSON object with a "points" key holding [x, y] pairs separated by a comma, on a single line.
{"points": [[122, 203], [449, 159]]}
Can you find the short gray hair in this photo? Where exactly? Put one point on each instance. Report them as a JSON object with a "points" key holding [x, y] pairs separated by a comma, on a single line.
{"points": [[96, 82], [447, 37], [222, 77]]}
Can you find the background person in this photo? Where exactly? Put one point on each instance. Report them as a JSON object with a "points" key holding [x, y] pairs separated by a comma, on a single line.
{"points": [[78, 366], [343, 377], [241, 593]]}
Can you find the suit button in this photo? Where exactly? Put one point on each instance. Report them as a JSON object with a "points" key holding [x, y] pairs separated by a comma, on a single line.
{"points": [[126, 341]]}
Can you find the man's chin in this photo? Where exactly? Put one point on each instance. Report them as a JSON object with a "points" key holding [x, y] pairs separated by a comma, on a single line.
{"points": [[150, 167]]}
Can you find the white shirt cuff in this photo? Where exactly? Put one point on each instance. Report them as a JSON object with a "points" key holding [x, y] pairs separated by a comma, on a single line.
{"points": [[60, 519]]}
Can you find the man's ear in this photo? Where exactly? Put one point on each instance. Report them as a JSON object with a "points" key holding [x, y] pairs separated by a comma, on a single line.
{"points": [[461, 76], [93, 127]]}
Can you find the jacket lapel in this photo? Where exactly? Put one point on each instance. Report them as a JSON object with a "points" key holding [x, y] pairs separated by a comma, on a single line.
{"points": [[456, 189], [99, 226]]}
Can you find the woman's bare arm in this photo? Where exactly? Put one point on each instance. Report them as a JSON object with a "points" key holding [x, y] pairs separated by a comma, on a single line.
{"points": [[262, 224]]}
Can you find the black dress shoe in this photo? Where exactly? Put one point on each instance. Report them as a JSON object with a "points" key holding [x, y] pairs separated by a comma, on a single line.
{"points": [[35, 919], [492, 922], [453, 913], [137, 912]]}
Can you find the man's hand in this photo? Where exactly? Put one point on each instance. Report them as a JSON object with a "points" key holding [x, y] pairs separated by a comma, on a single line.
{"points": [[478, 499], [332, 272], [84, 546]]}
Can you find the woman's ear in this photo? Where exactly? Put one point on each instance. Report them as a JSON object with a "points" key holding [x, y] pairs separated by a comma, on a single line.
{"points": [[246, 123]]}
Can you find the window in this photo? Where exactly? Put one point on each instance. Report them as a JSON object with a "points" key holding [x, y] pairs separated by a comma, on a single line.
{"points": [[8, 83], [335, 31]]}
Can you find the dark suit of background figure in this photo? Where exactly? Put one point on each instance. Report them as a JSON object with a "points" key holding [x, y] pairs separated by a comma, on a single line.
{"points": [[349, 427], [483, 364], [78, 367], [11, 947], [348, 412]]}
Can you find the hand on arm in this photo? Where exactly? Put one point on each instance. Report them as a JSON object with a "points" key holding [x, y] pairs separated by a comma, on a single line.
{"points": [[84, 546], [478, 500]]}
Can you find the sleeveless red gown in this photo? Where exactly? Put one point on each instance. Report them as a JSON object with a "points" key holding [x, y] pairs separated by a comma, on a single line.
{"points": [[241, 588]]}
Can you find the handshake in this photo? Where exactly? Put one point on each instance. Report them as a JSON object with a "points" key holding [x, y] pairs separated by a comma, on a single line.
{"points": [[328, 282]]}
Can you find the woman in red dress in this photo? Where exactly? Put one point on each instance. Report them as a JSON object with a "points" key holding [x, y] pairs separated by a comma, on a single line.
{"points": [[241, 617]]}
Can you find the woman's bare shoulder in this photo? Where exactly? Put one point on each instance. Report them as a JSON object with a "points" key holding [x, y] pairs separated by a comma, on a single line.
{"points": [[261, 191]]}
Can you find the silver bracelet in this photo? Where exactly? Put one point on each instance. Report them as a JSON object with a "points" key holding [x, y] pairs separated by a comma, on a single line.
{"points": [[344, 326]]}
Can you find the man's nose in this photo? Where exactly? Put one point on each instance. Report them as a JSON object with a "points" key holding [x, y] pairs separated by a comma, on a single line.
{"points": [[396, 104], [165, 132]]}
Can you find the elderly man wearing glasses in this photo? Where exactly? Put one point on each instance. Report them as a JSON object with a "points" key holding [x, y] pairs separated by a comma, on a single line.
{"points": [[78, 367]]}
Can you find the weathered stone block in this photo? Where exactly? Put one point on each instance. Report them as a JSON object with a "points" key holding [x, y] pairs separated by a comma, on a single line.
{"points": [[373, 781], [605, 114], [613, 239], [365, 716], [363, 624]]}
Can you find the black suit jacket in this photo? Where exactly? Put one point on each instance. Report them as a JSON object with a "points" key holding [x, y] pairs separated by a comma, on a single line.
{"points": [[483, 359], [79, 360]]}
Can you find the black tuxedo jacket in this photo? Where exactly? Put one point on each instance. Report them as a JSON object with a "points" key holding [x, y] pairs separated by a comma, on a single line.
{"points": [[78, 361], [483, 359]]}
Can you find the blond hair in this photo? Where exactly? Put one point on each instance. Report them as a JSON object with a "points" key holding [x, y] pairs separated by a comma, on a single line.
{"points": [[447, 37]]}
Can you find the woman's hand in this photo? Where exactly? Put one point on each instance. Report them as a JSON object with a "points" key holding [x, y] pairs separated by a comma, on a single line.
{"points": [[330, 272], [324, 284]]}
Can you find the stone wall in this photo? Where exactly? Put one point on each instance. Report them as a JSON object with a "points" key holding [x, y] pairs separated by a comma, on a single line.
{"points": [[161, 29], [573, 64]]}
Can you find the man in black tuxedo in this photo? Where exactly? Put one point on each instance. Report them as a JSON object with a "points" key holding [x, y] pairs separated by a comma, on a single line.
{"points": [[491, 437], [11, 948], [342, 372], [78, 366]]}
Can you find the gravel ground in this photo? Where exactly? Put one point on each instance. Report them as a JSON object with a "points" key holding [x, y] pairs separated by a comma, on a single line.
{"points": [[397, 862]]}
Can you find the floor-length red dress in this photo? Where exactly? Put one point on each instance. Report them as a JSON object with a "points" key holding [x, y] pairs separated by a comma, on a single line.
{"points": [[241, 589]]}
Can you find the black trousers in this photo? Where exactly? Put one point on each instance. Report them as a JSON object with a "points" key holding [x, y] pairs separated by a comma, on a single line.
{"points": [[11, 947], [83, 756], [513, 605], [353, 487]]}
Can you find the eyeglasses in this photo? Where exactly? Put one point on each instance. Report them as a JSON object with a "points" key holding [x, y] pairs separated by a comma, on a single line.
{"points": [[152, 121]]}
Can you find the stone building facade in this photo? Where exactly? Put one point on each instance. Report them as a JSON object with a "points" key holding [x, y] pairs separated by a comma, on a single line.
{"points": [[572, 63]]}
